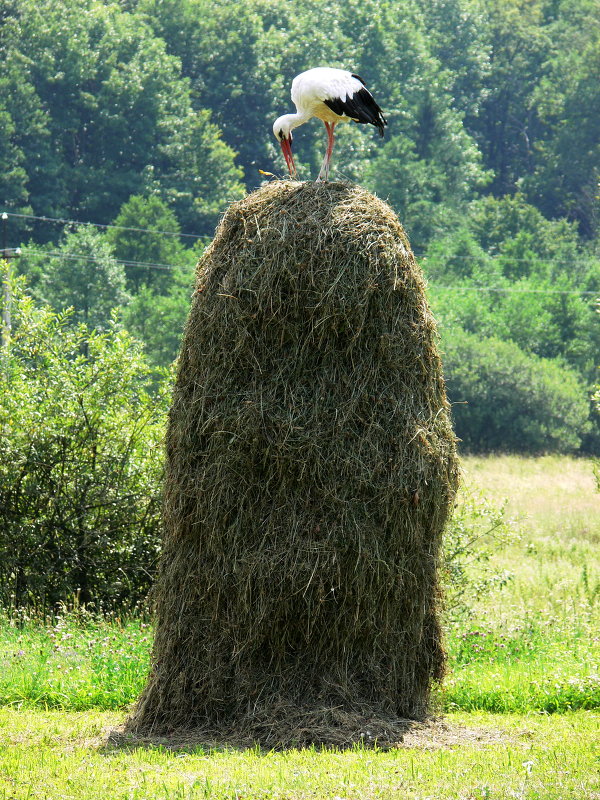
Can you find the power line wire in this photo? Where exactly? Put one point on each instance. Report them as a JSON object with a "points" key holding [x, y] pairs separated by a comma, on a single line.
{"points": [[420, 256], [433, 287], [93, 260], [487, 254], [510, 289], [162, 266], [102, 225]]}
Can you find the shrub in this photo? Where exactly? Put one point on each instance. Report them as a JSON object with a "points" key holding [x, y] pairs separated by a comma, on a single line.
{"points": [[507, 400], [477, 529], [80, 463]]}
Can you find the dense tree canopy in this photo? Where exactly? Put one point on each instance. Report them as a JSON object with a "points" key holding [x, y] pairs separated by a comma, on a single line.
{"points": [[152, 115], [101, 111]]}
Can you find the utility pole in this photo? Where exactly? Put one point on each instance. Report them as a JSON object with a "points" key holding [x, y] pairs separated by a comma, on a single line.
{"points": [[6, 287]]}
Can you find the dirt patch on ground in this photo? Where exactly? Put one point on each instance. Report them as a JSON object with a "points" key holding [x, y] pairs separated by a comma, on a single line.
{"points": [[433, 734]]}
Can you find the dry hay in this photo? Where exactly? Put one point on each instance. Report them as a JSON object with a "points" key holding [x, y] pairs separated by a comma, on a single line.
{"points": [[435, 733], [311, 468]]}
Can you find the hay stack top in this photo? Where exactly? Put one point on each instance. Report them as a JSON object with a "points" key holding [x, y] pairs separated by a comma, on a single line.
{"points": [[315, 230], [316, 264]]}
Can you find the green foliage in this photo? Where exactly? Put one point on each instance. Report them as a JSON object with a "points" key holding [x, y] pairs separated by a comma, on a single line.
{"points": [[148, 256], [231, 53], [566, 176], [505, 123], [505, 399], [82, 273], [497, 221], [74, 660], [134, 97], [475, 532], [162, 289], [80, 462], [526, 279], [13, 177], [158, 319], [109, 114], [199, 176]]}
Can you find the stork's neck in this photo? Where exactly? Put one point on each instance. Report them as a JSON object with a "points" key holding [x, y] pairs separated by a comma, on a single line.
{"points": [[292, 121]]}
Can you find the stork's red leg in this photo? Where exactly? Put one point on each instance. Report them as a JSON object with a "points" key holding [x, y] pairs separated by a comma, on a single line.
{"points": [[324, 172], [330, 141]]}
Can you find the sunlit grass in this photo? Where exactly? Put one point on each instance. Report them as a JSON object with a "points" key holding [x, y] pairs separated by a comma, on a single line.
{"points": [[535, 644], [54, 755], [556, 497], [73, 663], [102, 665]]}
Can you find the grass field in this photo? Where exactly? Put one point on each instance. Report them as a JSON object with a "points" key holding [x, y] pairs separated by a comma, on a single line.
{"points": [[59, 755], [522, 699], [535, 645]]}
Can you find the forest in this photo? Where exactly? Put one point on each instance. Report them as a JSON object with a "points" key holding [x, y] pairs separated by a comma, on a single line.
{"points": [[145, 118], [128, 127]]}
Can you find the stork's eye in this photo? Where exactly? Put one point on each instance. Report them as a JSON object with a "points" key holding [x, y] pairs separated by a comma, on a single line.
{"points": [[280, 136]]}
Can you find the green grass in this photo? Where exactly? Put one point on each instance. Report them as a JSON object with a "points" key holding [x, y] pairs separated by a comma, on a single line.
{"points": [[535, 645], [54, 755], [539, 665], [540, 660], [73, 664]]}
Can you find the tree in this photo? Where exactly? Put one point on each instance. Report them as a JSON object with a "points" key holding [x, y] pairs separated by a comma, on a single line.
{"points": [[232, 54], [430, 166], [82, 273], [459, 37], [568, 102], [456, 255], [506, 400], [510, 273], [30, 168], [135, 244], [158, 319], [497, 221], [197, 175], [13, 177], [80, 462], [160, 292], [101, 111], [506, 126]]}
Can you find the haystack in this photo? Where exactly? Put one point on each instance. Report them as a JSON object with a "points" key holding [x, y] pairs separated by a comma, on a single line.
{"points": [[311, 468]]}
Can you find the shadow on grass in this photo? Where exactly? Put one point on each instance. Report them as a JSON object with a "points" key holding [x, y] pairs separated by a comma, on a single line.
{"points": [[432, 734]]}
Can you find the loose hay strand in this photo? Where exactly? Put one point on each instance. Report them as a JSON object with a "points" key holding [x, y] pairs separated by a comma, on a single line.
{"points": [[311, 467]]}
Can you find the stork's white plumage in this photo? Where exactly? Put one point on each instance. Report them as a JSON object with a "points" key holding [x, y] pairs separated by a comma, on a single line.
{"points": [[332, 95]]}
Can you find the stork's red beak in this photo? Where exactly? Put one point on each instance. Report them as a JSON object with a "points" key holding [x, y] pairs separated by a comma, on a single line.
{"points": [[286, 149]]}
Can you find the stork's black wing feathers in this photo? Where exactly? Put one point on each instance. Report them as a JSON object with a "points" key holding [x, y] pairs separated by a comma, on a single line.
{"points": [[361, 107], [358, 78]]}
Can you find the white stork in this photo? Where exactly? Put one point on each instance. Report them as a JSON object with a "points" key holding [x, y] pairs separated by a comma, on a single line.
{"points": [[332, 95]]}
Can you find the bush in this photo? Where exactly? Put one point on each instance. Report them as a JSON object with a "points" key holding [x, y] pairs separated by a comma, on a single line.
{"points": [[506, 400], [80, 463], [477, 529]]}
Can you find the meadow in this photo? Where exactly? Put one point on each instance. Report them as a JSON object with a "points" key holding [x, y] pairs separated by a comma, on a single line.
{"points": [[519, 710]]}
